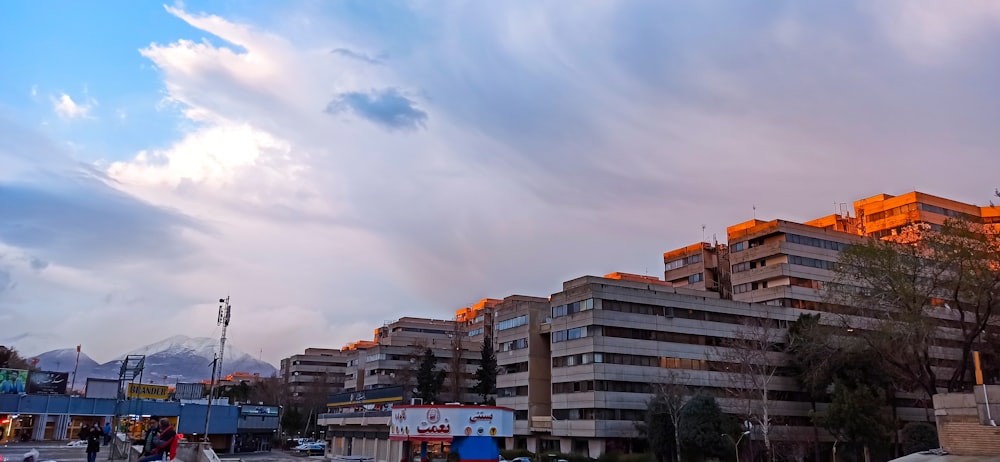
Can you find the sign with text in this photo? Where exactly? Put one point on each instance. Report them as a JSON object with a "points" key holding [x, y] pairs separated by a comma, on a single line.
{"points": [[13, 381], [259, 410], [146, 391], [444, 422], [378, 395], [47, 383]]}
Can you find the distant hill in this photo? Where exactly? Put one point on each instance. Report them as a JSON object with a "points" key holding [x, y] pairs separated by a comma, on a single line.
{"points": [[178, 358]]}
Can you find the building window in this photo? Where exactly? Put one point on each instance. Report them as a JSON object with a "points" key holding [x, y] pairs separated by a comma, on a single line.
{"points": [[515, 368], [697, 277], [811, 262], [738, 247], [569, 334], [637, 308], [512, 345], [570, 308], [816, 242], [511, 323], [475, 332], [510, 392], [682, 262]]}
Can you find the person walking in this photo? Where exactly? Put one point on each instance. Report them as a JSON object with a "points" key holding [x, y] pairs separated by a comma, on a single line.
{"points": [[94, 435], [107, 433]]}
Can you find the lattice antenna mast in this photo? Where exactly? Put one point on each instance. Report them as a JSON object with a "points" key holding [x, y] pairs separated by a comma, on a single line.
{"points": [[224, 313]]}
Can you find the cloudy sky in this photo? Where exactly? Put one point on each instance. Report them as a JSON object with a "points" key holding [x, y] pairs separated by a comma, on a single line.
{"points": [[333, 165]]}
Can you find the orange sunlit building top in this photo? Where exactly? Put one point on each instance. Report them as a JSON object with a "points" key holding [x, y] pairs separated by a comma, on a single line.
{"points": [[787, 263]]}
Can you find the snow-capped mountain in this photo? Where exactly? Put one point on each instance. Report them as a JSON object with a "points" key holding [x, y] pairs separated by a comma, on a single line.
{"points": [[63, 361], [178, 358]]}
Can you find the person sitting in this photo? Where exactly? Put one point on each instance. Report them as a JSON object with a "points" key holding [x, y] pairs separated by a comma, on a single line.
{"points": [[149, 437], [165, 444]]}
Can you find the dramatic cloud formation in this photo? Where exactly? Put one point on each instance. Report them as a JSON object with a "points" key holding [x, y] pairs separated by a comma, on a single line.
{"points": [[475, 150]]}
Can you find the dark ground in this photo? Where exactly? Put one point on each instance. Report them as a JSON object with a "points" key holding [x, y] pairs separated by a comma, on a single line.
{"points": [[58, 451]]}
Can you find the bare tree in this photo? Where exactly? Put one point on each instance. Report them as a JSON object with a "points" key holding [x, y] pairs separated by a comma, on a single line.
{"points": [[269, 390], [753, 355], [672, 396], [456, 374]]}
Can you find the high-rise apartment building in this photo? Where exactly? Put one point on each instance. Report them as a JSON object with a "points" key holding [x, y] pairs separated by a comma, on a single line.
{"points": [[700, 266], [524, 381], [599, 347], [783, 263], [317, 371], [579, 366]]}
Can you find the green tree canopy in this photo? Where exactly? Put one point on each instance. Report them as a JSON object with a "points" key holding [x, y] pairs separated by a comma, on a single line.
{"points": [[429, 378], [486, 375], [907, 288], [701, 434]]}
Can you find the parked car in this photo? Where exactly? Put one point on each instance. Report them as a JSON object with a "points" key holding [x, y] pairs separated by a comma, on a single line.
{"points": [[312, 448]]}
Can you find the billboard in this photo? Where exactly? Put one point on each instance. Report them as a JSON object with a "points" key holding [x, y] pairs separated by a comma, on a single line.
{"points": [[189, 391], [13, 381], [431, 423], [47, 382], [249, 409], [102, 388], [377, 395], [143, 390]]}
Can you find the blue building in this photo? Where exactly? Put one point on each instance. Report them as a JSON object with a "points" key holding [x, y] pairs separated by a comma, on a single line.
{"points": [[59, 417]]}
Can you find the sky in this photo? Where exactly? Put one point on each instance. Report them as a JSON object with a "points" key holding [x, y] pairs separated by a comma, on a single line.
{"points": [[333, 166]]}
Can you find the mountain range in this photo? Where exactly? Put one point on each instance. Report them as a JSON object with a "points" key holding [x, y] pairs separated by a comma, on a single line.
{"points": [[174, 359]]}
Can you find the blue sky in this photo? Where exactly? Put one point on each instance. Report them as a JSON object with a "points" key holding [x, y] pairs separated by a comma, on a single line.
{"points": [[333, 165]]}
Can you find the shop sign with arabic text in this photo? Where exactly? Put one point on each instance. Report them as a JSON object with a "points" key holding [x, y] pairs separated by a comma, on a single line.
{"points": [[445, 422]]}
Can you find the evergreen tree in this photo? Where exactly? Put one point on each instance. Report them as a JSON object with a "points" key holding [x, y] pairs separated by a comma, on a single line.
{"points": [[429, 378], [704, 423], [293, 421], [487, 372]]}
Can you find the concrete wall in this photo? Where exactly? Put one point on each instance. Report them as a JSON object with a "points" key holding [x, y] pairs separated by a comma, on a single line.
{"points": [[963, 427]]}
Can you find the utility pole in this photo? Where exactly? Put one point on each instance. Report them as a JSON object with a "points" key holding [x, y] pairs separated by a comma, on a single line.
{"points": [[76, 366], [211, 392], [224, 315]]}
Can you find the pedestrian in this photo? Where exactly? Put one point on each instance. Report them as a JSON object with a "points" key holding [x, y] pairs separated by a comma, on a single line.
{"points": [[93, 442], [107, 433], [165, 444]]}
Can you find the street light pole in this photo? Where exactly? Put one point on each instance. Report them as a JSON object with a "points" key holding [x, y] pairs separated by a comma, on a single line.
{"points": [[736, 442]]}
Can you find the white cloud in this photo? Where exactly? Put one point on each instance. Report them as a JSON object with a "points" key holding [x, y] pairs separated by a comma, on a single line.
{"points": [[34, 91], [932, 31], [65, 107], [542, 145]]}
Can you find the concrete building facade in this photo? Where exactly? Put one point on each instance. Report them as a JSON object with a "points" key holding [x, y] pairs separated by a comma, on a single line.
{"points": [[578, 367], [316, 371]]}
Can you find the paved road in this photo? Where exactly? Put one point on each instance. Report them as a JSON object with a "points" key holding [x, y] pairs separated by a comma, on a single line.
{"points": [[49, 450]]}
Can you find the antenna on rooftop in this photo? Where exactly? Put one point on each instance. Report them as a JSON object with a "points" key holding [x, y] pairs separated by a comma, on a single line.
{"points": [[755, 211], [225, 310], [702, 232]]}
